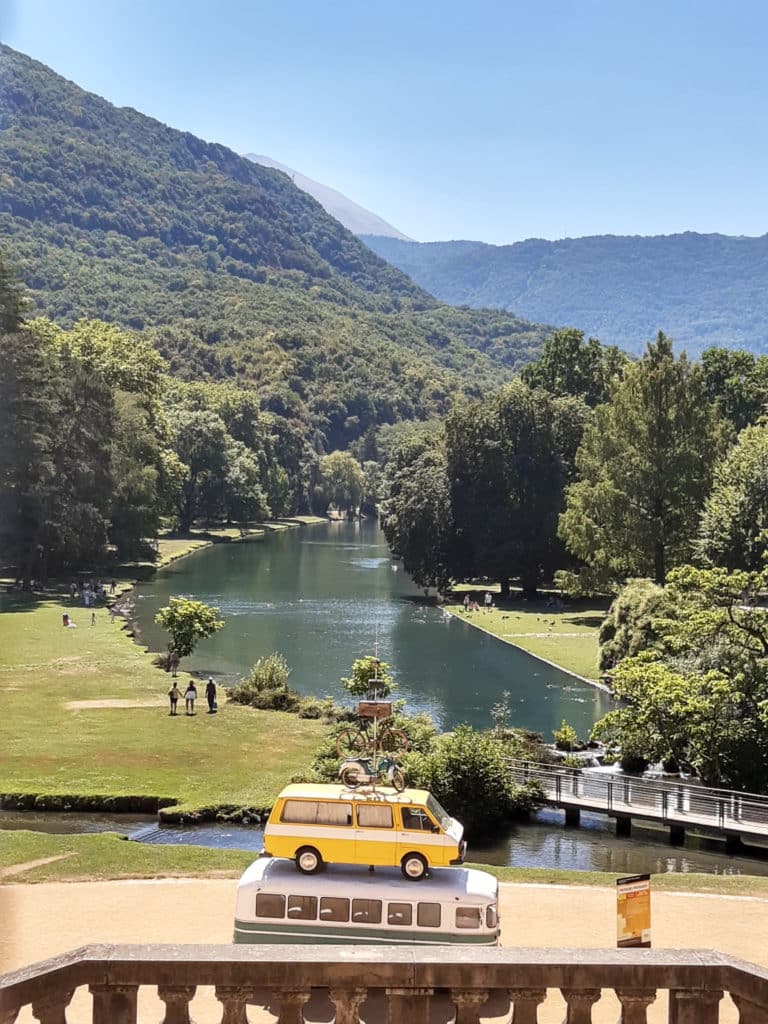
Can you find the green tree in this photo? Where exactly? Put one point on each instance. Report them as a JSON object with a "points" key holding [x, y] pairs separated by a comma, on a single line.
{"points": [[201, 443], [507, 475], [467, 772], [737, 382], [699, 695], [188, 622], [364, 672], [416, 515], [734, 522], [645, 467], [569, 365], [342, 480], [628, 628]]}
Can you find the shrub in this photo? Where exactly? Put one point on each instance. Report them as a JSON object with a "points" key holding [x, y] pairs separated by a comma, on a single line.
{"points": [[566, 738], [467, 772], [628, 627], [364, 671], [266, 686]]}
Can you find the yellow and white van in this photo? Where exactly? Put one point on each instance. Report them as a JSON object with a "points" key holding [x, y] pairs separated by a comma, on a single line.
{"points": [[313, 824]]}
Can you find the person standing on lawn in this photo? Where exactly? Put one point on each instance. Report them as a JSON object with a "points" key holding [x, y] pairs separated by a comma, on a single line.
{"points": [[190, 696], [210, 695], [173, 695]]}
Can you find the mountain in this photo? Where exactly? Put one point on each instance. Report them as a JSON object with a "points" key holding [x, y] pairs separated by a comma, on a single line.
{"points": [[702, 290], [227, 267], [354, 217]]}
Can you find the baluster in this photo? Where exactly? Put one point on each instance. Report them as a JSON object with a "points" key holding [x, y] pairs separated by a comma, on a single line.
{"points": [[52, 1008], [750, 1013], [348, 1002], [408, 1005], [177, 999], [233, 999], [468, 1002], [291, 1002], [578, 1003], [634, 1004], [694, 1006], [525, 1004], [114, 1004]]}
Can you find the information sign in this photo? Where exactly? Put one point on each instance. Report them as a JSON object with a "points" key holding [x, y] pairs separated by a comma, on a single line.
{"points": [[375, 709], [633, 911]]}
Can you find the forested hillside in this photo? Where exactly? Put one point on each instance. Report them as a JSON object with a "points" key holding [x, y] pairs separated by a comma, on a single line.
{"points": [[702, 289], [227, 267]]}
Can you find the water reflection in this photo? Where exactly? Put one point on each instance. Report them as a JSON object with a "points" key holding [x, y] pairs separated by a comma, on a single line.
{"points": [[326, 595]]}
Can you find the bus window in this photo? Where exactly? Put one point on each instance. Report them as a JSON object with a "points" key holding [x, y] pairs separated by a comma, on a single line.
{"points": [[302, 908], [428, 915], [333, 908], [414, 818], [374, 816], [270, 904], [399, 913], [491, 917], [366, 911], [468, 917], [316, 812]]}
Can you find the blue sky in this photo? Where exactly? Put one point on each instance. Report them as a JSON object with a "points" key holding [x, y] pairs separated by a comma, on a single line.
{"points": [[491, 121]]}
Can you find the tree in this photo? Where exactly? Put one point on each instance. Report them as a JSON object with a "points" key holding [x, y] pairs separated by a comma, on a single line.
{"points": [[628, 628], [698, 696], [416, 515], [201, 444], [737, 382], [733, 531], [570, 366], [342, 481], [364, 672], [244, 499], [508, 462], [645, 467], [188, 622]]}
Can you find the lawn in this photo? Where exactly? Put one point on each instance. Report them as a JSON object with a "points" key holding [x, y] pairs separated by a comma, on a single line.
{"points": [[566, 636], [55, 744], [110, 856]]}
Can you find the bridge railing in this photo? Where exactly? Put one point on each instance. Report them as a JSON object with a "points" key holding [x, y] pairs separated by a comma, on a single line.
{"points": [[668, 801], [387, 984]]}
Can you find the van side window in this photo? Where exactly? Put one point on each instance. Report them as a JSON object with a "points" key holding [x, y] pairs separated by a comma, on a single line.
{"points": [[399, 913], [428, 915], [416, 819], [333, 908], [316, 812], [366, 911], [374, 816], [302, 908], [468, 917], [270, 904]]}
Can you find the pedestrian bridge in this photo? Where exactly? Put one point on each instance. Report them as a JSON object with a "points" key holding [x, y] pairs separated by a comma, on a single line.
{"points": [[737, 817]]}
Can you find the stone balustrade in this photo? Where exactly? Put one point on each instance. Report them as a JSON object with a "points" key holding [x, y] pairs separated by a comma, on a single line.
{"points": [[396, 985]]}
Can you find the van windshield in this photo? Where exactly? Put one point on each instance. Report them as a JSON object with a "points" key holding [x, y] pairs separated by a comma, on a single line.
{"points": [[439, 813]]}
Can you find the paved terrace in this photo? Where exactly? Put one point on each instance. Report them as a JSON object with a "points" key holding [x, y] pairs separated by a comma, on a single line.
{"points": [[737, 817], [348, 985]]}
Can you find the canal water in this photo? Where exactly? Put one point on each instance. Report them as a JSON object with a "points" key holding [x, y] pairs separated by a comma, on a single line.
{"points": [[541, 843], [325, 595]]}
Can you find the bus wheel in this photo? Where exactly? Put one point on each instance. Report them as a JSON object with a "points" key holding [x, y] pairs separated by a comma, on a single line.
{"points": [[308, 860], [414, 866]]}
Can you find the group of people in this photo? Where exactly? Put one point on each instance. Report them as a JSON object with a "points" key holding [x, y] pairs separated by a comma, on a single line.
{"points": [[190, 696], [471, 605], [91, 593]]}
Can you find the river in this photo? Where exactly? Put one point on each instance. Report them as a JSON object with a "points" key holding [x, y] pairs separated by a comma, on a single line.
{"points": [[325, 595]]}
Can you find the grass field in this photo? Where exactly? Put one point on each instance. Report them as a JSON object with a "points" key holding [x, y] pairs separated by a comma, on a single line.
{"points": [[52, 746], [108, 856], [566, 636]]}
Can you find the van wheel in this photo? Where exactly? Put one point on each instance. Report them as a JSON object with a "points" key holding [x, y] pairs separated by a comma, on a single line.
{"points": [[308, 860], [414, 866]]}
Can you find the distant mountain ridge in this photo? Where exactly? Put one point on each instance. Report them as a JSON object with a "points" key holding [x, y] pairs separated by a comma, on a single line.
{"points": [[702, 290], [354, 217]]}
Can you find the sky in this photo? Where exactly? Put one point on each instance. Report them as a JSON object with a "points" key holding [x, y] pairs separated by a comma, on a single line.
{"points": [[494, 121]]}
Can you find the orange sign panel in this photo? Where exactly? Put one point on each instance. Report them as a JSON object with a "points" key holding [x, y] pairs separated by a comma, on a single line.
{"points": [[633, 911]]}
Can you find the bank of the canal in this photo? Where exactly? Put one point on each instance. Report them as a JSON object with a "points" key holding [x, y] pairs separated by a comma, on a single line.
{"points": [[328, 595]]}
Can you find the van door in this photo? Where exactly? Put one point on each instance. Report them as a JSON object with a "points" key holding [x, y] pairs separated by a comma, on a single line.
{"points": [[375, 834], [420, 834]]}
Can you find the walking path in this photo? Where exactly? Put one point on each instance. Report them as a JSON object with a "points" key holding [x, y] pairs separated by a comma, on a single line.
{"points": [[40, 921]]}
